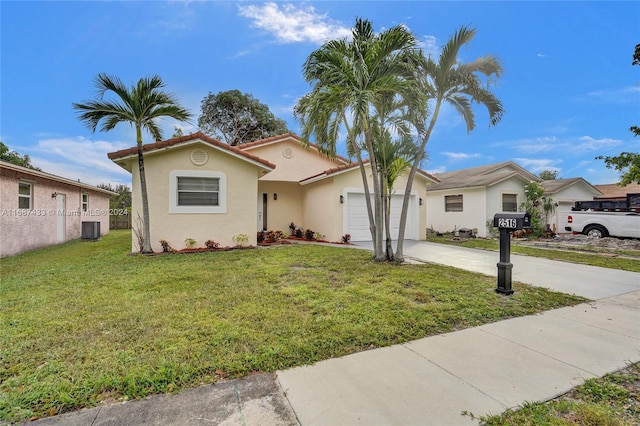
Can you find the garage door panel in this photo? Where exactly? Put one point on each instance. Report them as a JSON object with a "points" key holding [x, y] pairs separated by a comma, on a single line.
{"points": [[357, 219]]}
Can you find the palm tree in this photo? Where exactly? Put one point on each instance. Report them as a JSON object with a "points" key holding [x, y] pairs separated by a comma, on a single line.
{"points": [[393, 159], [457, 84], [139, 106], [350, 78]]}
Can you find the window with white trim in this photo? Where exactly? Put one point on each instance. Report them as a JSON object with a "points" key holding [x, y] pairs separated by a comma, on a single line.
{"points": [[25, 195], [85, 202], [195, 191], [509, 202], [453, 203], [198, 191]]}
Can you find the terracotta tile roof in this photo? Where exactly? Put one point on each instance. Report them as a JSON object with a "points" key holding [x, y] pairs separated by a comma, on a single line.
{"points": [[340, 168], [186, 138], [612, 190], [284, 136]]}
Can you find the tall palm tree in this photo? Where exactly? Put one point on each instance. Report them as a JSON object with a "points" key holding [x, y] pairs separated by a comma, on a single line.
{"points": [[349, 77], [139, 106], [457, 84]]}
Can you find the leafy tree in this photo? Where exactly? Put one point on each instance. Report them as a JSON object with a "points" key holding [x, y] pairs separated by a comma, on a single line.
{"points": [[140, 106], [538, 206], [352, 81], [238, 118], [548, 175], [15, 158], [122, 199], [457, 84], [627, 163]]}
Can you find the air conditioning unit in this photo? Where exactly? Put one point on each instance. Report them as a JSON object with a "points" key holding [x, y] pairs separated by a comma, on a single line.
{"points": [[90, 230]]}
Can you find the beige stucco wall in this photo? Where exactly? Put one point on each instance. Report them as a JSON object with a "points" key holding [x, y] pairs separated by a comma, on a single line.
{"points": [[301, 164], [286, 209], [324, 213], [241, 199], [22, 230]]}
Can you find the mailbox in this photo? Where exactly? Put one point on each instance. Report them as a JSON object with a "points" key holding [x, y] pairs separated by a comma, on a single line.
{"points": [[512, 221], [508, 222]]}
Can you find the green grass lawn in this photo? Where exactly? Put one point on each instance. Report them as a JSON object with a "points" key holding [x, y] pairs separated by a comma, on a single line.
{"points": [[612, 400], [599, 257], [85, 323]]}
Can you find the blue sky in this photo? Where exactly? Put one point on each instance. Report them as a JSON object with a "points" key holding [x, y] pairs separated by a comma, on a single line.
{"points": [[569, 90]]}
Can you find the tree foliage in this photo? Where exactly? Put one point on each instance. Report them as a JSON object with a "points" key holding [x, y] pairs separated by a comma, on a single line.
{"points": [[238, 118], [354, 82], [139, 106], [627, 163], [122, 199], [15, 158], [548, 174]]}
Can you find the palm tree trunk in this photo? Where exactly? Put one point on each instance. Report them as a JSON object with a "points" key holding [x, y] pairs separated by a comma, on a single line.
{"points": [[387, 217], [378, 253], [405, 202], [146, 229]]}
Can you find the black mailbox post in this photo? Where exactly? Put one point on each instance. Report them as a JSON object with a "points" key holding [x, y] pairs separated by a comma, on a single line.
{"points": [[508, 222]]}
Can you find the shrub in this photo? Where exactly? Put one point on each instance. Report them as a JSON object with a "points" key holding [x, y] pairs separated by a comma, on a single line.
{"points": [[346, 238], [166, 247], [308, 234], [190, 243], [211, 245], [318, 236], [299, 232], [260, 236], [241, 239], [273, 236], [292, 228]]}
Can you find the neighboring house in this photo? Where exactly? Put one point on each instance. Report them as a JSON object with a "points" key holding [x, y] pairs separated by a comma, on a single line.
{"points": [[564, 193], [470, 198], [615, 192], [203, 189], [38, 209]]}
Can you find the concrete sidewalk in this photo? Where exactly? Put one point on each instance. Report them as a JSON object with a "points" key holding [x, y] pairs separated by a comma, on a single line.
{"points": [[485, 369], [430, 381]]}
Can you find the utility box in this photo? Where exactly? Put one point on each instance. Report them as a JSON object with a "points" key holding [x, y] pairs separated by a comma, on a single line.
{"points": [[90, 230], [465, 233], [512, 221]]}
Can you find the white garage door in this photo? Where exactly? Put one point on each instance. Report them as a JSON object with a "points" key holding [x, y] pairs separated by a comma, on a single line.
{"points": [[357, 219]]}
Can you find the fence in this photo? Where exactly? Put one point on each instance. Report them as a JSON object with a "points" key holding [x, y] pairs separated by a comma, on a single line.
{"points": [[120, 222]]}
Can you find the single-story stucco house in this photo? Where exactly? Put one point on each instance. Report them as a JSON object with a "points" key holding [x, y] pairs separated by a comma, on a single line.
{"points": [[564, 193], [469, 198], [38, 209], [201, 188]]}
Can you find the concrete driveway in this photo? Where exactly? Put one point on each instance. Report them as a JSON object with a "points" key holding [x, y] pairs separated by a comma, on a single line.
{"points": [[571, 278]]}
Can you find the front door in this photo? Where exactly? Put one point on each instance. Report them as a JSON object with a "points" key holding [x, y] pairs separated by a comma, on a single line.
{"points": [[262, 212], [61, 217]]}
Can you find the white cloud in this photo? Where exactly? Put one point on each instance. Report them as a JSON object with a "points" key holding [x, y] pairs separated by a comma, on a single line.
{"points": [[294, 24], [565, 146], [541, 55], [79, 158], [429, 45], [623, 95], [435, 171], [460, 155], [537, 165]]}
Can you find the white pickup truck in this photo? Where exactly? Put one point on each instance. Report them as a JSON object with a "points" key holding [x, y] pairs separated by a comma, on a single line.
{"points": [[604, 224]]}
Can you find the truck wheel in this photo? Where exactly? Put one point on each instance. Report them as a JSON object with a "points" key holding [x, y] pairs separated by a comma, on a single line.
{"points": [[596, 231]]}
